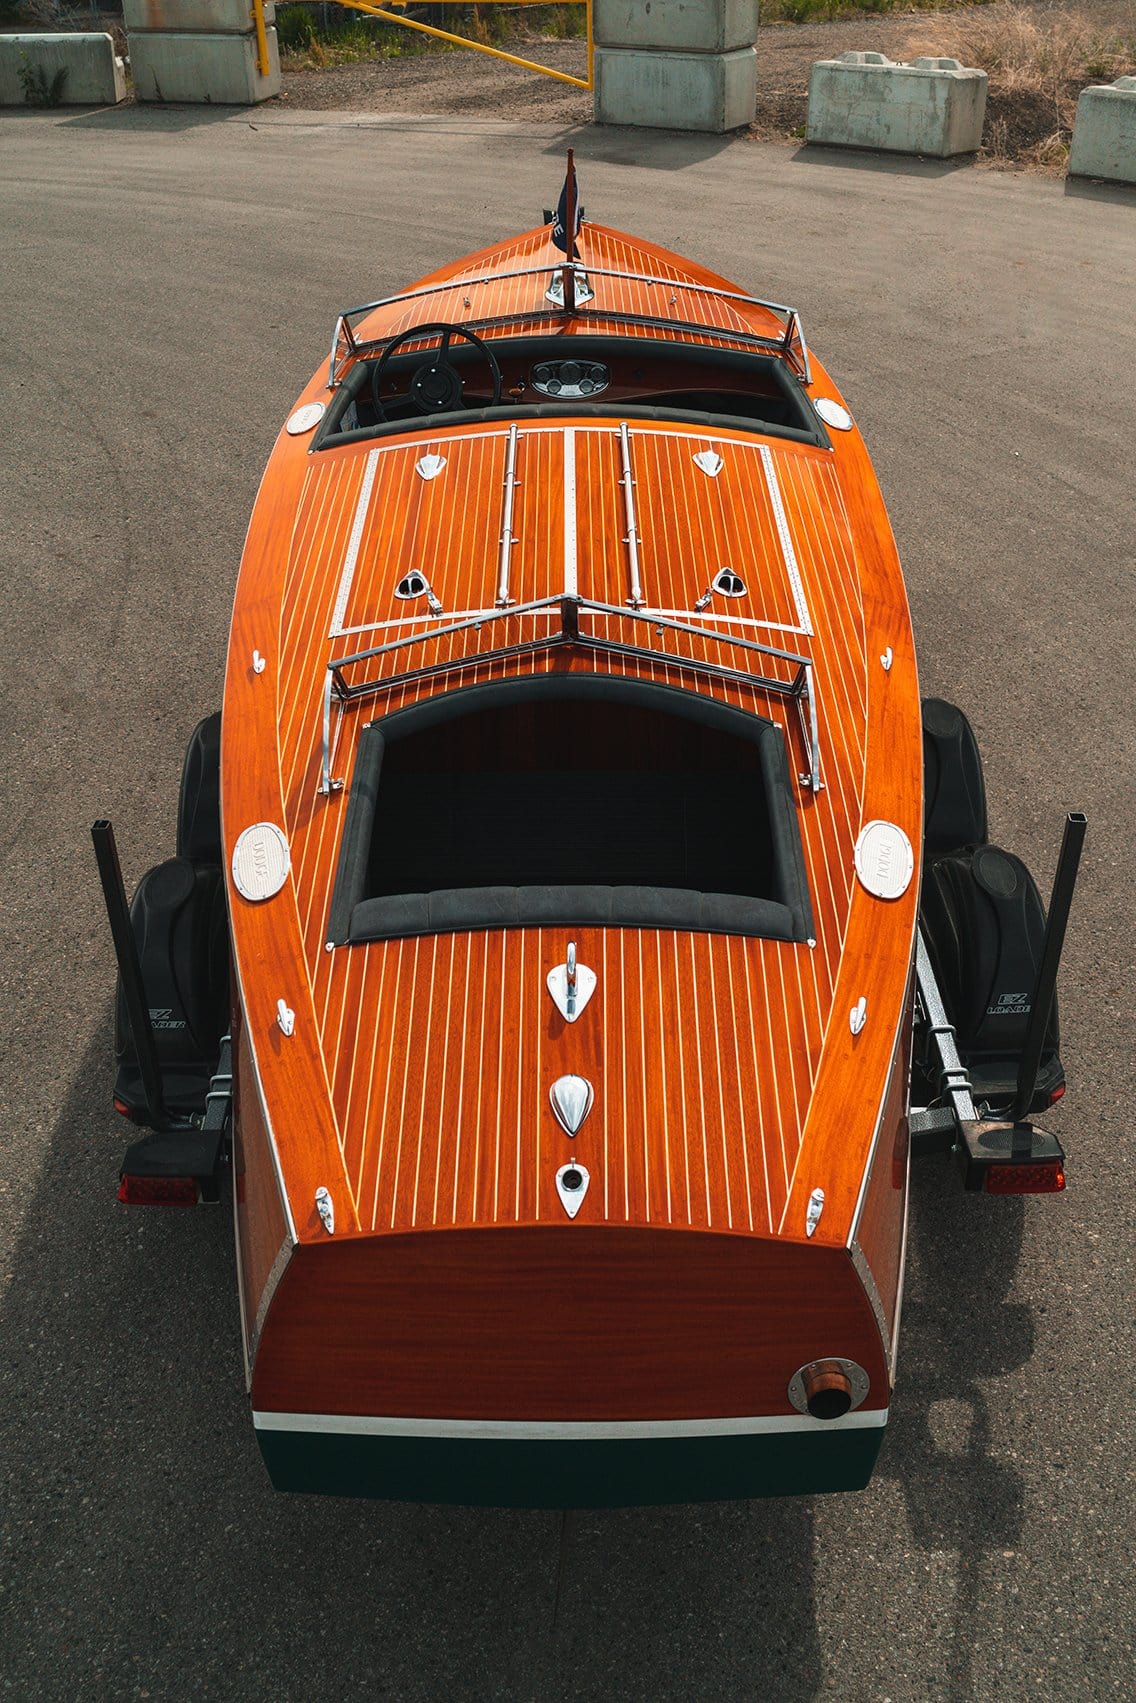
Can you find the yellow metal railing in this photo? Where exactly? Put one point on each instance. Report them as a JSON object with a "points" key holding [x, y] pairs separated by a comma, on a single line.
{"points": [[390, 17], [261, 37]]}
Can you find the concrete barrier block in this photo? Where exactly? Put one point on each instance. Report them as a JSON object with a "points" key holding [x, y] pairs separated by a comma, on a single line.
{"points": [[1104, 132], [675, 91], [678, 26], [217, 69], [932, 106], [206, 17], [95, 76]]}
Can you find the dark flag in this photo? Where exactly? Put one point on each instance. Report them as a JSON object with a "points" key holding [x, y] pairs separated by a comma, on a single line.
{"points": [[569, 194]]}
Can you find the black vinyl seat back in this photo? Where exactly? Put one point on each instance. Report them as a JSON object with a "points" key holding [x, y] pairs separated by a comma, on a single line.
{"points": [[984, 924], [181, 929], [199, 806], [954, 792]]}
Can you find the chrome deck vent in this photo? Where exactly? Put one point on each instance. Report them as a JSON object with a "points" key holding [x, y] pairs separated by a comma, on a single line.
{"points": [[415, 584], [571, 1098]]}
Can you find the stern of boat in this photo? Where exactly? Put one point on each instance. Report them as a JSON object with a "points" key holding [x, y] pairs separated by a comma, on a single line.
{"points": [[570, 1366]]}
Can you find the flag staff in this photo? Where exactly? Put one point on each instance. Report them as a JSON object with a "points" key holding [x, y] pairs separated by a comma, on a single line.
{"points": [[570, 235]]}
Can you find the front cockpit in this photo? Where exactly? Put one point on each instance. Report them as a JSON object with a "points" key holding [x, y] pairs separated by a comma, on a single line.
{"points": [[448, 376]]}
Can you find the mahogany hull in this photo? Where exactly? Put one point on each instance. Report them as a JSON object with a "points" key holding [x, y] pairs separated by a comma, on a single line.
{"points": [[456, 1336], [421, 1355]]}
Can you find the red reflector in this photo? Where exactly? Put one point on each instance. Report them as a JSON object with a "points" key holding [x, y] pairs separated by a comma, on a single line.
{"points": [[1057, 1094], [1048, 1177], [157, 1191], [123, 1110]]}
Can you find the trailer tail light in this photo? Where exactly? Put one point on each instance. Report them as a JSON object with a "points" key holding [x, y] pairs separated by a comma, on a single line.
{"points": [[1044, 1177], [1010, 1158], [157, 1191]]}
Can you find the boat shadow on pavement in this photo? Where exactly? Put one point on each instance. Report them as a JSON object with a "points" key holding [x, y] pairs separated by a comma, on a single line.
{"points": [[145, 1545], [959, 1331]]}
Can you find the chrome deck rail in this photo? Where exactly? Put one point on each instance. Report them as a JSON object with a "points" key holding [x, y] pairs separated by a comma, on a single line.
{"points": [[791, 345], [341, 692]]}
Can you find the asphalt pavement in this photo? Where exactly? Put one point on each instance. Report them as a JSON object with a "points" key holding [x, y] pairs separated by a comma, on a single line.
{"points": [[168, 281]]}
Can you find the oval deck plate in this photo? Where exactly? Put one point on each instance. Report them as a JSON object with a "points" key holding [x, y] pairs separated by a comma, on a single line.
{"points": [[885, 861], [304, 419], [261, 861], [833, 414]]}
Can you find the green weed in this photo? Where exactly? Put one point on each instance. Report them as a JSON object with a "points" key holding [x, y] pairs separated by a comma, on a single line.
{"points": [[40, 89], [350, 37]]}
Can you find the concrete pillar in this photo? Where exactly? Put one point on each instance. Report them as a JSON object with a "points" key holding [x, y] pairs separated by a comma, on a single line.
{"points": [[933, 106], [675, 64], [1104, 132], [93, 75], [200, 51]]}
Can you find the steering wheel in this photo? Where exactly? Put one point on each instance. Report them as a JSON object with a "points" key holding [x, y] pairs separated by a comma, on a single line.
{"points": [[436, 386]]}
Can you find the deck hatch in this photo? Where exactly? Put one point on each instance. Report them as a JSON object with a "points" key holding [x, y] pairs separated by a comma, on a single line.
{"points": [[570, 799]]}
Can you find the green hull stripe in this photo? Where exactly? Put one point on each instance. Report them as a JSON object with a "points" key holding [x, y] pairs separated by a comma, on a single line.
{"points": [[590, 1474]]}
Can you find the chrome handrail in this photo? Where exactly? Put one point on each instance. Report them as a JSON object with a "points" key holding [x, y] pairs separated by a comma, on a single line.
{"points": [[800, 688]]}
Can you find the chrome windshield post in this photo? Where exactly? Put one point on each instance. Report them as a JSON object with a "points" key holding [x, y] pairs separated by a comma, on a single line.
{"points": [[326, 785], [812, 736]]}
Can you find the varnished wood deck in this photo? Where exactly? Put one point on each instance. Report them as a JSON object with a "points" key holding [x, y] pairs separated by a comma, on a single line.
{"points": [[728, 1084]]}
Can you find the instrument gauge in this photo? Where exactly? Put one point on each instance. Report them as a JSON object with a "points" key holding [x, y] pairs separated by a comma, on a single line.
{"points": [[569, 380]]}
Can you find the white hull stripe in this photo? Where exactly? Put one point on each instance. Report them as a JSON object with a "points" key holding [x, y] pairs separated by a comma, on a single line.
{"points": [[563, 1430]]}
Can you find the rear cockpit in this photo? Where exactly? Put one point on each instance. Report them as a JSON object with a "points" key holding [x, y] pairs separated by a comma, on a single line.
{"points": [[571, 799]]}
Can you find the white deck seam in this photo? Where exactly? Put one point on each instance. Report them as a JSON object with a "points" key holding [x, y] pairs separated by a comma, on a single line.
{"points": [[792, 566]]}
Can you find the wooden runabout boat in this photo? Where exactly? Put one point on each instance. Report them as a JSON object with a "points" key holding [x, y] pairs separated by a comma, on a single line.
{"points": [[596, 960]]}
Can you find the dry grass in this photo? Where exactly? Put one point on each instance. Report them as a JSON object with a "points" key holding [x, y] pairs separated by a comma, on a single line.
{"points": [[825, 11], [1038, 61]]}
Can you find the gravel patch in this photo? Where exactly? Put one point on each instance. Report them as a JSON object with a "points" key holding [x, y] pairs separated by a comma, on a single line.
{"points": [[1019, 122]]}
